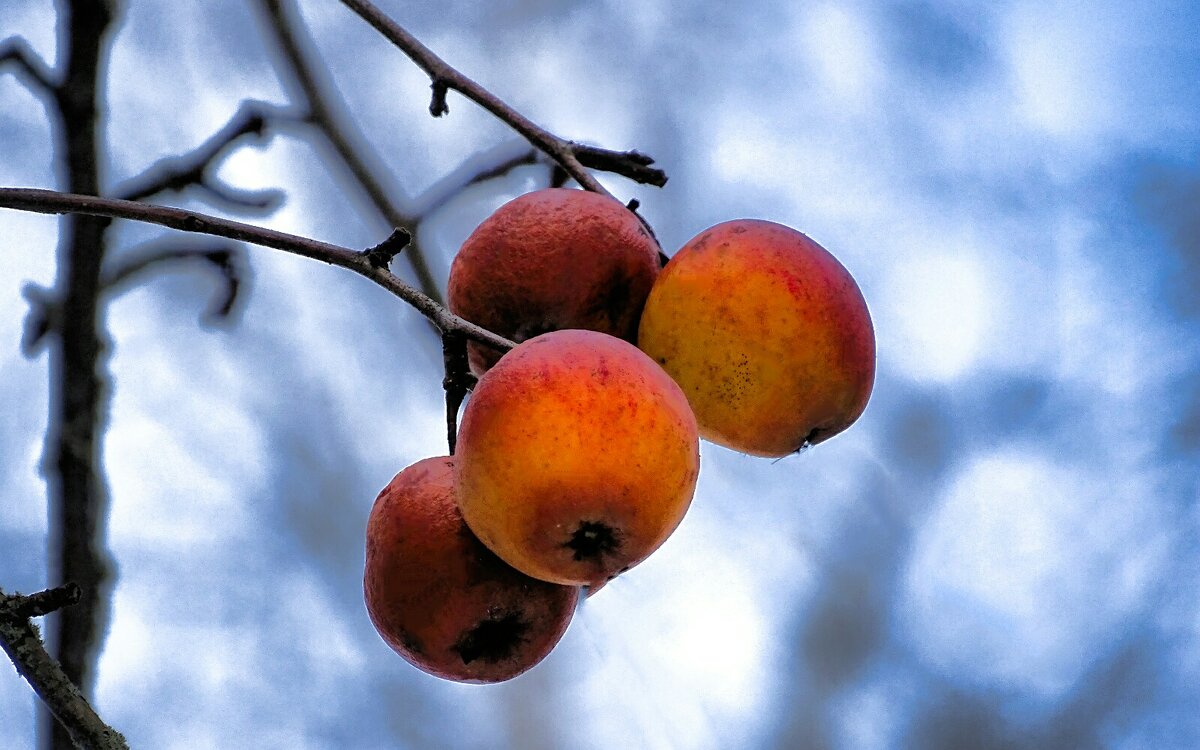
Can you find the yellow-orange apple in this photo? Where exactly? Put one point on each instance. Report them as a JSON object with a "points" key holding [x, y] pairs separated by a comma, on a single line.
{"points": [[577, 457], [441, 599], [553, 259], [766, 332]]}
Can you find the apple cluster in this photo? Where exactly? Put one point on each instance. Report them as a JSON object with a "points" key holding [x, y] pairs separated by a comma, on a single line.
{"points": [[578, 451]]}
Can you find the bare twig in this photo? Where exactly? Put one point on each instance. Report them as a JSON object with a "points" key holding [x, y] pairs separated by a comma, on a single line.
{"points": [[53, 202], [23, 644], [381, 255], [17, 52], [226, 258], [252, 120], [632, 164], [445, 78], [24, 606]]}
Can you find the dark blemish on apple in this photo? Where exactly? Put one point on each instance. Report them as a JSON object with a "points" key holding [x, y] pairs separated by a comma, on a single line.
{"points": [[592, 539], [492, 640], [817, 435], [411, 643], [611, 300]]}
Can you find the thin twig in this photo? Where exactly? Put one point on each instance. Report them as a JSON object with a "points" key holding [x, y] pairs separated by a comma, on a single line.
{"points": [[457, 382], [445, 78], [24, 606], [16, 51], [632, 164], [381, 255], [54, 202], [21, 641]]}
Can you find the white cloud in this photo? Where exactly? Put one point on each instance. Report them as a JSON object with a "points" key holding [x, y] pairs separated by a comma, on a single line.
{"points": [[1026, 570], [837, 47], [1061, 78], [688, 635], [936, 313]]}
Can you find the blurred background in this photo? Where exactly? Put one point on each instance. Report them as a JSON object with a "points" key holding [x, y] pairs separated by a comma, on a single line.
{"points": [[1002, 553]]}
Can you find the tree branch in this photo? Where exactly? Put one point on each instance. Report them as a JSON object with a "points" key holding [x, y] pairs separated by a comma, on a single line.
{"points": [[445, 78], [78, 492], [23, 644], [252, 120], [331, 116], [381, 255], [41, 319], [17, 52], [485, 165], [53, 202], [457, 382], [632, 164], [223, 257]]}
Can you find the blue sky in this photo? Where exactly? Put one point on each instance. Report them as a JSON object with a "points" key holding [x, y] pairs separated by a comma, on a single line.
{"points": [[1003, 549]]}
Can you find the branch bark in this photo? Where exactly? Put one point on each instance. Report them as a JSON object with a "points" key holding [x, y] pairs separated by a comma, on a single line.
{"points": [[21, 641], [361, 262]]}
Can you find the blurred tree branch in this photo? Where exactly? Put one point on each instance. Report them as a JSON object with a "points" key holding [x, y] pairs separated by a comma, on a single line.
{"points": [[77, 488], [223, 257], [71, 314], [40, 77], [362, 262], [175, 173], [21, 641], [309, 81]]}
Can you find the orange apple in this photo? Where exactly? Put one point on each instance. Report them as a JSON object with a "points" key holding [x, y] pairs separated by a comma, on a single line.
{"points": [[577, 457], [441, 599], [766, 332], [553, 259]]}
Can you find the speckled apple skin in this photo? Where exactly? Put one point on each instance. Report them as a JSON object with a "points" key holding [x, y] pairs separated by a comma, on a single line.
{"points": [[428, 582], [553, 259], [570, 428], [766, 332]]}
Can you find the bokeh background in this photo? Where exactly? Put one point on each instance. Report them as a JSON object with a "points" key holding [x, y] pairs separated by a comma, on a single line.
{"points": [[1002, 553]]}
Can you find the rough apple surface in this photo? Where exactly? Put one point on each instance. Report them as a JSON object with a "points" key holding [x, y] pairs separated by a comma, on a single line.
{"points": [[768, 335], [440, 598], [553, 259], [577, 457]]}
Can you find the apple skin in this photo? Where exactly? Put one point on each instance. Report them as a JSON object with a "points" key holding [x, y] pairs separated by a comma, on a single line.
{"points": [[553, 259], [441, 599], [768, 335], [577, 457]]}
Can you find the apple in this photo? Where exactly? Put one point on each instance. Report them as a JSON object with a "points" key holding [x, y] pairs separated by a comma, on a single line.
{"points": [[440, 598], [766, 332]]}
